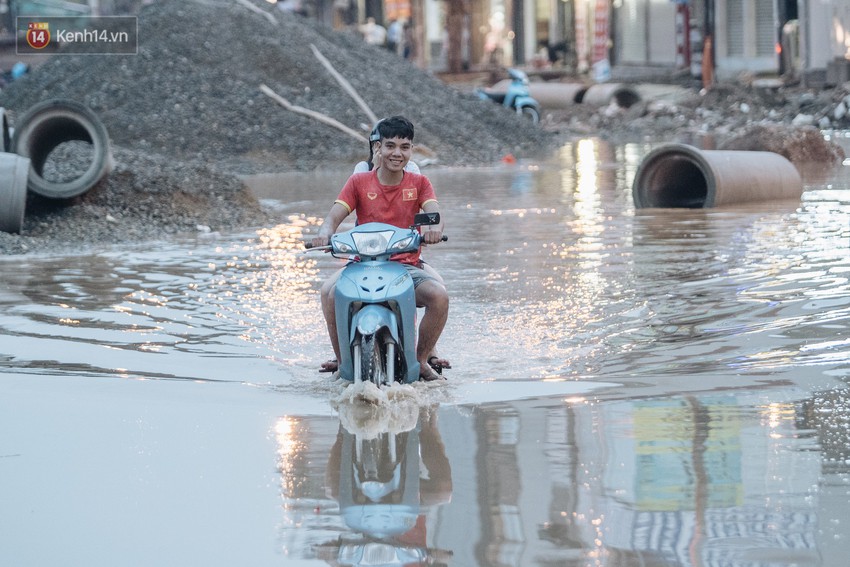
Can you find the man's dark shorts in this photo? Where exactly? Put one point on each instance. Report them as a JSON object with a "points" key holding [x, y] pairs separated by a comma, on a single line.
{"points": [[419, 275]]}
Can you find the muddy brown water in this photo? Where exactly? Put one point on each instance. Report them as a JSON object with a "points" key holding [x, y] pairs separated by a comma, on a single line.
{"points": [[654, 387]]}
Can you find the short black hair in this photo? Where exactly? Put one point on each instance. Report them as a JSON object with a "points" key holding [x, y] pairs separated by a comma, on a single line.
{"points": [[395, 127]]}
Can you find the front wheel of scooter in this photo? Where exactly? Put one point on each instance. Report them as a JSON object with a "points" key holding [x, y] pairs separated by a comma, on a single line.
{"points": [[371, 361], [531, 113]]}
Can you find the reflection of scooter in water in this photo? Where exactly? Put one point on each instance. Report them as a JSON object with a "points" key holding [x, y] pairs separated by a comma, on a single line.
{"points": [[383, 495]]}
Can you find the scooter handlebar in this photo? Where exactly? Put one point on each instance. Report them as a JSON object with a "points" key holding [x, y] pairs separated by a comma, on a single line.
{"points": [[443, 239], [309, 245]]}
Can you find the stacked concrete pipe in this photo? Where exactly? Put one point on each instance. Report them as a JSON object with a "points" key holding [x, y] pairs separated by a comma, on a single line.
{"points": [[24, 152], [13, 182], [6, 136], [44, 127], [14, 171], [683, 176], [557, 96], [603, 94]]}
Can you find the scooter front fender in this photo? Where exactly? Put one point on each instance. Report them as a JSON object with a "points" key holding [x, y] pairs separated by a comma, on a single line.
{"points": [[372, 318], [375, 286]]}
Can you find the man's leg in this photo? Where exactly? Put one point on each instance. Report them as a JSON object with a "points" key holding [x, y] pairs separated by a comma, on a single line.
{"points": [[434, 358], [329, 311], [433, 296]]}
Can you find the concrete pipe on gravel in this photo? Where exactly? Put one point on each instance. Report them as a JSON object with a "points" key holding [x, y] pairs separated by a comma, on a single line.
{"points": [[6, 135], [603, 94], [564, 95], [14, 171], [46, 126], [682, 176], [557, 95], [550, 95]]}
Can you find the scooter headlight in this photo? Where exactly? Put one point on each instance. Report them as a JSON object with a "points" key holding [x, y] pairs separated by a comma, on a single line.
{"points": [[372, 243]]}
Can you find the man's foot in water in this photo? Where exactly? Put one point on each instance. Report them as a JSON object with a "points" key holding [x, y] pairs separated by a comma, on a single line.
{"points": [[432, 371], [426, 374], [438, 364]]}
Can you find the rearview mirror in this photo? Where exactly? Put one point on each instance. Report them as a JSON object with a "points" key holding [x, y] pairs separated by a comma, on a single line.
{"points": [[426, 218]]}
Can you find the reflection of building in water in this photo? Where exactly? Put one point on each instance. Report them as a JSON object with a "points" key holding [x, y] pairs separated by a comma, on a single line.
{"points": [[714, 480], [674, 481], [503, 537], [303, 447]]}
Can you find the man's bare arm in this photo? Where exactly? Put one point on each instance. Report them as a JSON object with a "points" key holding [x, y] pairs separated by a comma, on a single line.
{"points": [[432, 234], [335, 217]]}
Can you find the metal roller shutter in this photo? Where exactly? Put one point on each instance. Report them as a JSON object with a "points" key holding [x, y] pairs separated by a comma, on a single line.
{"points": [[632, 25]]}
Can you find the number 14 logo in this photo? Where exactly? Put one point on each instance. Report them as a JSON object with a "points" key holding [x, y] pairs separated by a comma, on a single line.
{"points": [[38, 35]]}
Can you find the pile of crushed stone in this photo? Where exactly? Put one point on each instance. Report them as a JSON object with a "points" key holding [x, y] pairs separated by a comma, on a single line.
{"points": [[193, 93], [186, 116], [146, 197]]}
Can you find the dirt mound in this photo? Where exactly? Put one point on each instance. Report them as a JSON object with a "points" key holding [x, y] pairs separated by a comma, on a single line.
{"points": [[799, 145], [186, 113], [192, 93]]}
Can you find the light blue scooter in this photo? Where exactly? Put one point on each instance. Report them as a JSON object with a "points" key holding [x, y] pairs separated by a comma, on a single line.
{"points": [[517, 97], [375, 302]]}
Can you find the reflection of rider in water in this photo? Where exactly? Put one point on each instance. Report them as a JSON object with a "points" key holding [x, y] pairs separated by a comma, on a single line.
{"points": [[434, 482]]}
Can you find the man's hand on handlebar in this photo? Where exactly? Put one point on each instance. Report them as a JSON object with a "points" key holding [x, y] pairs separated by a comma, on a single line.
{"points": [[319, 240], [432, 236]]}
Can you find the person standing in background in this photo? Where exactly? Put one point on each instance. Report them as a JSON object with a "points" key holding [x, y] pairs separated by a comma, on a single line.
{"points": [[408, 38], [374, 33], [395, 36]]}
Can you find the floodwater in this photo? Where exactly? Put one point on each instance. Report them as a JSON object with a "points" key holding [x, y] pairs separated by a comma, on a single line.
{"points": [[630, 388]]}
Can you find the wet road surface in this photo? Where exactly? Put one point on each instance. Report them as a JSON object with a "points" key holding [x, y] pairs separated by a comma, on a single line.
{"points": [[663, 387]]}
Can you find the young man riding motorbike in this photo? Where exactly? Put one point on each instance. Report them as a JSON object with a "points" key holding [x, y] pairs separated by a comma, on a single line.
{"points": [[391, 195]]}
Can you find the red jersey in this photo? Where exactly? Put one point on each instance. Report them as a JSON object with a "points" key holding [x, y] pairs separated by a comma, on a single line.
{"points": [[390, 204]]}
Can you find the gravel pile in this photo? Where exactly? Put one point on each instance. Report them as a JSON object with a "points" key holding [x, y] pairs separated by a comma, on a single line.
{"points": [[186, 116], [146, 197], [192, 93]]}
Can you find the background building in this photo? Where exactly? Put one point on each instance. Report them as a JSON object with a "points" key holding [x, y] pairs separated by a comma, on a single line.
{"points": [[807, 40]]}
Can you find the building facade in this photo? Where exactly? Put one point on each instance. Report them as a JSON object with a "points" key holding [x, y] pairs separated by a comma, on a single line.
{"points": [[806, 39], [801, 37]]}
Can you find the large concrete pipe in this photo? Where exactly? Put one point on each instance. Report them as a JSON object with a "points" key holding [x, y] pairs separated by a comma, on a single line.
{"points": [[682, 176], [47, 125], [14, 171], [603, 94], [6, 138], [550, 95]]}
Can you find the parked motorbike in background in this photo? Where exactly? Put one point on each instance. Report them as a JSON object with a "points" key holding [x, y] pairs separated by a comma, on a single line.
{"points": [[516, 97]]}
